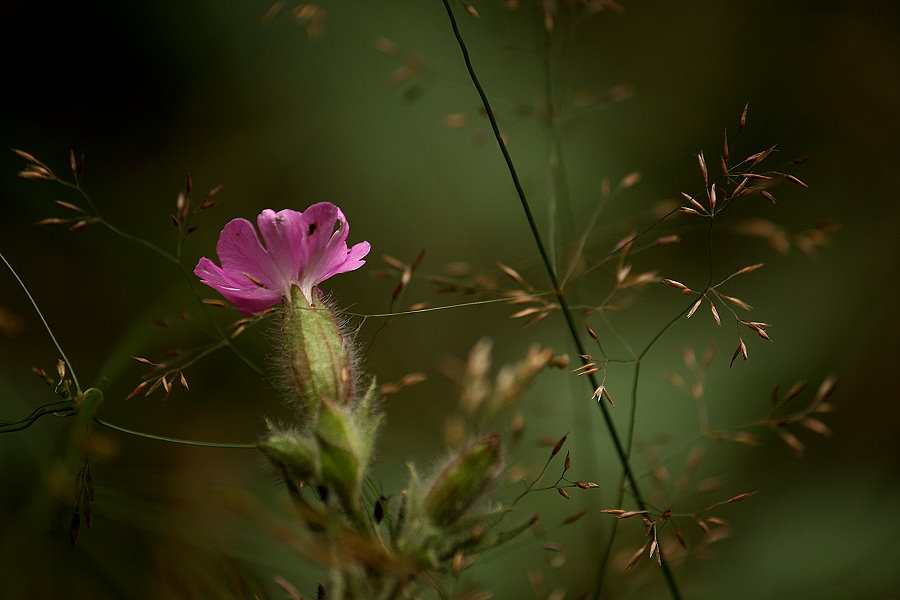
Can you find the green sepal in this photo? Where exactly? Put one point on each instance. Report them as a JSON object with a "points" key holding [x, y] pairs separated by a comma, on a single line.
{"points": [[463, 480], [319, 355], [296, 453], [344, 453]]}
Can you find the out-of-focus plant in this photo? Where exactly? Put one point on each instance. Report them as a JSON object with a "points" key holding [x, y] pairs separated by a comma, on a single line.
{"points": [[373, 543]]}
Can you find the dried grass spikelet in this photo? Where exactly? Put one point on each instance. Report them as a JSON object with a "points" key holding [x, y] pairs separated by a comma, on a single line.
{"points": [[476, 387], [313, 15], [771, 233]]}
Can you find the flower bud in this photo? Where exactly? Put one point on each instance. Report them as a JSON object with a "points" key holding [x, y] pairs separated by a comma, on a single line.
{"points": [[344, 451], [292, 452], [318, 354], [463, 480]]}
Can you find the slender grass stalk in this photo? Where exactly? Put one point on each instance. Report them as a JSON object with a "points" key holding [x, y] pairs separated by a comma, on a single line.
{"points": [[183, 442], [44, 321], [557, 289]]}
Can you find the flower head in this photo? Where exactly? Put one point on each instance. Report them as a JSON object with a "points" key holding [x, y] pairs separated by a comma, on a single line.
{"points": [[301, 249]]}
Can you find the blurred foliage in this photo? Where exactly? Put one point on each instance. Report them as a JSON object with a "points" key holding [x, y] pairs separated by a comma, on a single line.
{"points": [[285, 114]]}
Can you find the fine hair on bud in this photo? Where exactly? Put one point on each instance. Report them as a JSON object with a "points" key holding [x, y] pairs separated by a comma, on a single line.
{"points": [[317, 357]]}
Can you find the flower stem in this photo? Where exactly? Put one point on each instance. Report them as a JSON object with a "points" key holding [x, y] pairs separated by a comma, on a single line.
{"points": [[558, 292], [163, 438]]}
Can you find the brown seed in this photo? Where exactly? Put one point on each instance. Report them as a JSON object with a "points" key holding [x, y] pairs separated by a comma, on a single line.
{"points": [[568, 463], [25, 155], [795, 390], [747, 269], [457, 562], [675, 284], [696, 204], [739, 497], [553, 546], [759, 156], [589, 365], [768, 196], [792, 442], [630, 180], [746, 438], [725, 147], [69, 205], [631, 513], [743, 120], [826, 389], [741, 350], [563, 493], [573, 518], [715, 313], [635, 557], [703, 170], [514, 275], [559, 445], [137, 390], [694, 308], [733, 300], [795, 180], [816, 426], [703, 526], [668, 239], [527, 311]]}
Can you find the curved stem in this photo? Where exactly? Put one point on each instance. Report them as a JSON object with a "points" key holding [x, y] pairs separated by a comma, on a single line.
{"points": [[163, 438], [44, 321]]}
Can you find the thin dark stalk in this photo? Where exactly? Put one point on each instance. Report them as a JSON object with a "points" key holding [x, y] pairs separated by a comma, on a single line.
{"points": [[557, 289]]}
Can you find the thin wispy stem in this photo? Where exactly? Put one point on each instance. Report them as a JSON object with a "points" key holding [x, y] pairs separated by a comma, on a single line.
{"points": [[162, 438], [44, 321], [551, 272]]}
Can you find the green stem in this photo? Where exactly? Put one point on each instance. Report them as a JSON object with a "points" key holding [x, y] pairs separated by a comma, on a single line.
{"points": [[44, 321], [163, 438], [548, 264]]}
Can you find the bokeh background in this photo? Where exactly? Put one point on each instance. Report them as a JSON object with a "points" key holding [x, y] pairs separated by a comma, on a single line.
{"points": [[285, 113]]}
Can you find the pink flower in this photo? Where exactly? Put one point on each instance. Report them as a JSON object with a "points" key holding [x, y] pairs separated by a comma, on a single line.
{"points": [[301, 248]]}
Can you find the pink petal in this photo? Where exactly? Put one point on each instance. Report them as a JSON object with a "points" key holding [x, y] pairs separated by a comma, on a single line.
{"points": [[326, 247], [244, 258], [283, 233], [249, 299], [354, 259]]}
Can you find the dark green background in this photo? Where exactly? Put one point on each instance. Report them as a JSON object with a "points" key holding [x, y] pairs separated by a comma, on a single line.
{"points": [[149, 92]]}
